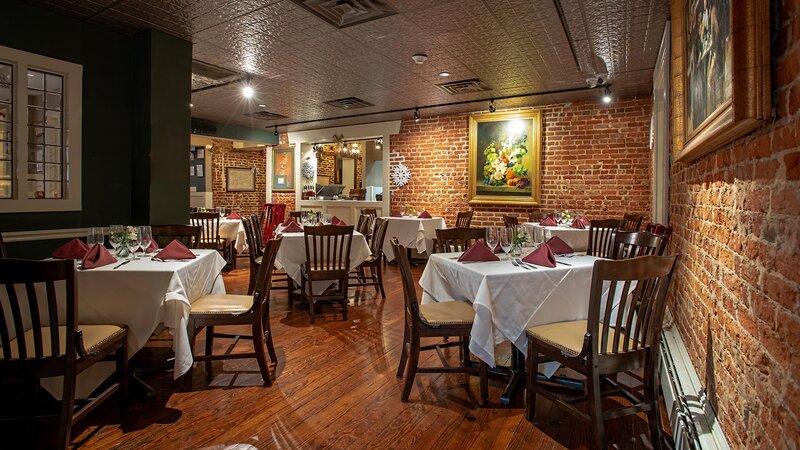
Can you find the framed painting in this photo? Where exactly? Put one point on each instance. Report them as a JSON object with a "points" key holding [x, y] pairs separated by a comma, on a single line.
{"points": [[282, 169], [504, 158], [240, 179], [720, 73]]}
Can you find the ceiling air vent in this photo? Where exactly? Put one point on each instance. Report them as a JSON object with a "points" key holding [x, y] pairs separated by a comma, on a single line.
{"points": [[265, 115], [464, 86], [344, 13], [349, 103], [211, 71]]}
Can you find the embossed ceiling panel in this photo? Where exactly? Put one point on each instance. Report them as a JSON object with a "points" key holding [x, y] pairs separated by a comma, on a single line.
{"points": [[298, 60]]}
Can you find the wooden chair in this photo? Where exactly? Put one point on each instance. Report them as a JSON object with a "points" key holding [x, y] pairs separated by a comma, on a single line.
{"points": [[77, 347], [298, 216], [209, 234], [254, 252], [605, 345], [601, 237], [631, 222], [215, 310], [365, 226], [536, 216], [3, 253], [630, 244], [464, 219], [273, 214], [327, 259], [373, 262], [442, 320], [510, 221], [358, 194], [660, 230], [187, 235], [457, 239], [373, 212]]}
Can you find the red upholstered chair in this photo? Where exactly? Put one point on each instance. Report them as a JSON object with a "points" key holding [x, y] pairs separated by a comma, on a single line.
{"points": [[273, 215]]}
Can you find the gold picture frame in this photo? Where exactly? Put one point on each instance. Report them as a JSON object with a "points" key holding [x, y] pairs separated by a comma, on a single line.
{"points": [[240, 179], [720, 73], [504, 158]]}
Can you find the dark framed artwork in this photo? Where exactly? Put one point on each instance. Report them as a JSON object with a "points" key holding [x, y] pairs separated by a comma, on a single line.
{"points": [[240, 179]]}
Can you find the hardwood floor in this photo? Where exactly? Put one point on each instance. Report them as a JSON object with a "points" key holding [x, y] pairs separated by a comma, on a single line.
{"points": [[335, 387]]}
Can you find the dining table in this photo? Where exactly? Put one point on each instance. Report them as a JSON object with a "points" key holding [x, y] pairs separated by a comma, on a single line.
{"points": [[411, 232], [233, 231], [577, 238]]}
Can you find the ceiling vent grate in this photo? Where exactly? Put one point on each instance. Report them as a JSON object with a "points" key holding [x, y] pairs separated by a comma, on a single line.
{"points": [[464, 87], [344, 13], [265, 115], [349, 103], [211, 71]]}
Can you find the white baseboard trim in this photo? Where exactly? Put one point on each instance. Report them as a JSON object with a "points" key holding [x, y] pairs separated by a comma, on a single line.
{"points": [[44, 235], [693, 423]]}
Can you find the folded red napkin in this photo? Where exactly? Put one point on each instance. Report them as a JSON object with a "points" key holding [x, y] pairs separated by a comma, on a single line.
{"points": [[176, 250], [97, 256], [293, 228], [337, 221], [425, 215], [578, 223], [287, 221], [498, 248], [542, 256], [478, 252], [548, 222], [558, 246], [74, 249], [397, 213], [234, 215]]}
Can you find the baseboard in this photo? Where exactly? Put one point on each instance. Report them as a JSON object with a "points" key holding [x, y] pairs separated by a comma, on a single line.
{"points": [[693, 422]]}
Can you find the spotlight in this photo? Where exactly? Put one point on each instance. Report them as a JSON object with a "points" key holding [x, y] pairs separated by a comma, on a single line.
{"points": [[191, 105], [491, 106], [444, 74], [276, 131], [247, 91], [606, 95], [416, 115]]}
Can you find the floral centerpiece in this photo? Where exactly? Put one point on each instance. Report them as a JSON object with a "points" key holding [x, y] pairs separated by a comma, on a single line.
{"points": [[411, 211], [503, 166]]}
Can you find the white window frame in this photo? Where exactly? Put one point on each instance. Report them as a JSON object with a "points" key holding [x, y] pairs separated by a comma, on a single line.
{"points": [[72, 117]]}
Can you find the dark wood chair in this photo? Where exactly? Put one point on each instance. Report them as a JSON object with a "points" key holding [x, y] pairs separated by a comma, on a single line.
{"points": [[209, 234], [365, 225], [298, 216], [373, 262], [370, 212], [605, 345], [464, 219], [327, 259], [187, 235], [601, 237], [510, 221], [215, 310], [631, 222], [442, 320], [254, 252], [358, 194], [64, 350], [630, 244], [457, 239], [3, 253], [660, 230]]}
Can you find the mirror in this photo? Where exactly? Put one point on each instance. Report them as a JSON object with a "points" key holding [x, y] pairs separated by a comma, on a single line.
{"points": [[347, 170]]}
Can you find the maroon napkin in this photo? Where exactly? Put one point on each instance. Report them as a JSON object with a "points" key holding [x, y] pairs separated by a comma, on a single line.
{"points": [[478, 252], [578, 223], [97, 256], [234, 215], [498, 248], [293, 228], [337, 221], [425, 215], [542, 256], [396, 213], [74, 249], [176, 250], [548, 222], [287, 221], [558, 246]]}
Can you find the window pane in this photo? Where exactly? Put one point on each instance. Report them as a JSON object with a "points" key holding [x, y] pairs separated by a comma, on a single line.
{"points": [[53, 154], [53, 119], [5, 150], [36, 98], [5, 112], [5, 92], [35, 135], [35, 79], [53, 190], [36, 171], [35, 153], [52, 136], [5, 131], [52, 172], [36, 117], [45, 135], [5, 73], [36, 189], [5, 189], [5, 170], [53, 101], [54, 83]]}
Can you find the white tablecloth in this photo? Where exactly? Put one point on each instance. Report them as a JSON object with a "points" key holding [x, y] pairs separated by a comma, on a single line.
{"points": [[292, 255], [233, 231], [576, 238], [509, 299], [411, 232]]}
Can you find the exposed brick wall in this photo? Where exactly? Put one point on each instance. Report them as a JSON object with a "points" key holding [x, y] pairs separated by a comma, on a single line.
{"points": [[736, 297], [223, 155], [595, 158]]}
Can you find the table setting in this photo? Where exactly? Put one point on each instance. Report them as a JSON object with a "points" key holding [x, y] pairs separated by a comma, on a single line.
{"points": [[412, 231], [570, 228]]}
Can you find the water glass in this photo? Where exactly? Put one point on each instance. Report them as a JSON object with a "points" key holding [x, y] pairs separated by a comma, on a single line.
{"points": [[506, 239], [132, 242], [492, 237], [538, 236], [95, 236], [145, 237]]}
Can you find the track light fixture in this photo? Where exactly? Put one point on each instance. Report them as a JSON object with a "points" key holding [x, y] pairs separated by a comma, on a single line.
{"points": [[276, 131], [491, 106], [416, 115], [607, 95]]}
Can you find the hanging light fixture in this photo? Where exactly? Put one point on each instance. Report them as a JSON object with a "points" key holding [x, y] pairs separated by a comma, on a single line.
{"points": [[416, 115], [491, 106], [276, 131], [607, 95]]}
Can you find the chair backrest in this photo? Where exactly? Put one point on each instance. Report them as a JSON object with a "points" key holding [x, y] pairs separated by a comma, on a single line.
{"points": [[631, 222], [510, 221], [664, 231], [188, 235], [273, 216], [253, 249], [626, 304], [21, 309], [328, 252], [258, 237], [370, 212], [209, 227], [536, 216], [409, 288], [630, 244], [298, 215], [464, 219], [365, 225], [264, 277], [601, 237], [457, 239], [378, 236], [3, 253]]}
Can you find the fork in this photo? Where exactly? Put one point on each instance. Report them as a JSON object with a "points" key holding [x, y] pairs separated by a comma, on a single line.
{"points": [[515, 263], [524, 265]]}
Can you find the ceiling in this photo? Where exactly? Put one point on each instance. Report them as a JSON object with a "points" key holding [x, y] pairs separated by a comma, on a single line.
{"points": [[298, 61]]}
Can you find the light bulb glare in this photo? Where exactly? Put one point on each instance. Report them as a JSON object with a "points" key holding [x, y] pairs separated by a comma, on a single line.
{"points": [[247, 92]]}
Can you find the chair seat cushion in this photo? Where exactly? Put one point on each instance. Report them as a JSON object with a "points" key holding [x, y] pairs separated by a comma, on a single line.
{"points": [[94, 337], [222, 304], [568, 336], [447, 313]]}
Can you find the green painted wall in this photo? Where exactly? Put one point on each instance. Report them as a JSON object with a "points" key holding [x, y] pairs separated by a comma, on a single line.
{"points": [[237, 133]]}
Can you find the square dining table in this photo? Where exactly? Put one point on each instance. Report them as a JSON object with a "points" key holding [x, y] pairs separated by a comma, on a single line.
{"points": [[412, 232], [233, 231], [577, 238]]}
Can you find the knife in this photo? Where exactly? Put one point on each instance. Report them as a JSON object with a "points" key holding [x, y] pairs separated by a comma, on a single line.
{"points": [[121, 264]]}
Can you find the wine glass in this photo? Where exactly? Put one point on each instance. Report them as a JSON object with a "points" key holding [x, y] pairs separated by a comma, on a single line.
{"points": [[538, 236], [506, 239], [132, 242], [145, 237], [492, 237], [557, 213], [95, 236], [116, 235]]}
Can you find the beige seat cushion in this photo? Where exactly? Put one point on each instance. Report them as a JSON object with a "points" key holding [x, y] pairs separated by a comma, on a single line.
{"points": [[222, 304], [568, 336], [447, 313], [94, 337]]}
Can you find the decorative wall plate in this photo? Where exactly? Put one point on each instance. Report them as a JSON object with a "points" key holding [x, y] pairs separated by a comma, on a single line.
{"points": [[308, 169]]}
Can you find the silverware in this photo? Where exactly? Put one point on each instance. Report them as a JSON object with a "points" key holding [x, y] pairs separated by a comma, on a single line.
{"points": [[121, 264], [564, 263], [515, 263], [524, 264]]}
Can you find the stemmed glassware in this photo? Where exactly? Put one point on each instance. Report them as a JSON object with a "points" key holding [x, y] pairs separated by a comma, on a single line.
{"points": [[539, 236], [95, 236], [506, 239], [132, 242], [116, 237], [145, 237], [492, 237], [558, 216]]}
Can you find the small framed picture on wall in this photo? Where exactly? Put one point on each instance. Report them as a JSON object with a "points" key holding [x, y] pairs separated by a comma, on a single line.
{"points": [[199, 170], [191, 171], [201, 153]]}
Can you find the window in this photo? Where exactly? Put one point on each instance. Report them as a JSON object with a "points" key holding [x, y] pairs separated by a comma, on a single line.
{"points": [[40, 139]]}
